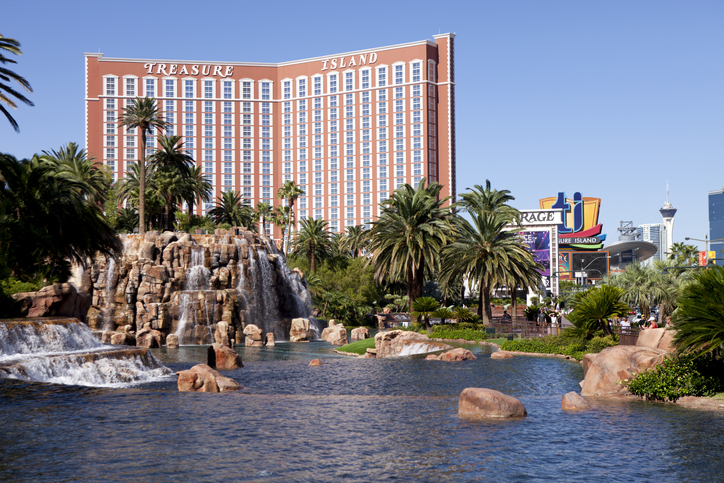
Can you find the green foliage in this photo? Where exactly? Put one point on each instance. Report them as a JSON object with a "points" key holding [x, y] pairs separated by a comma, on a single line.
{"points": [[592, 309], [681, 376], [7, 90], [189, 224], [699, 320], [358, 346], [455, 332], [424, 307], [12, 285], [565, 344]]}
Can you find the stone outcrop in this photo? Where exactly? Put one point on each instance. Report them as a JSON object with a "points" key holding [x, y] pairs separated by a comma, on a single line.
{"points": [[395, 343], [270, 342], [149, 338], [202, 378], [300, 331], [572, 401], [501, 355], [172, 341], [359, 333], [335, 334], [253, 336], [225, 357], [605, 371], [315, 362], [61, 299], [656, 339], [480, 403], [453, 355]]}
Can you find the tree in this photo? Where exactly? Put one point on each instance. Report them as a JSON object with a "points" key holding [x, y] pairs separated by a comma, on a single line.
{"points": [[699, 318], [170, 154], [72, 164], [444, 313], [487, 200], [489, 255], [168, 184], [198, 188], [684, 255], [263, 210], [409, 235], [593, 308], [230, 210], [6, 75], [355, 239], [643, 287], [289, 191], [424, 307], [281, 218], [312, 241], [143, 114]]}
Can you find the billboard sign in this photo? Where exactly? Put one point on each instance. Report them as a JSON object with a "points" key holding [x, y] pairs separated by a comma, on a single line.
{"points": [[579, 229]]}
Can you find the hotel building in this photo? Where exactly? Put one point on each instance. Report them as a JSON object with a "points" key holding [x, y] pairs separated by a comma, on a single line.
{"points": [[347, 128]]}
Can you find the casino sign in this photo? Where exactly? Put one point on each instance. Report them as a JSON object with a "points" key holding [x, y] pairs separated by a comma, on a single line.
{"points": [[580, 229]]}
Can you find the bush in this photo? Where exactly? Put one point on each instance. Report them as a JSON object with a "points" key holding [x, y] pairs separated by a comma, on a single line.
{"points": [[455, 332], [564, 344], [678, 377]]}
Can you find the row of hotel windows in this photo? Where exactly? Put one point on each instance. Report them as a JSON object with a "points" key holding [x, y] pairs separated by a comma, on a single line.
{"points": [[265, 87]]}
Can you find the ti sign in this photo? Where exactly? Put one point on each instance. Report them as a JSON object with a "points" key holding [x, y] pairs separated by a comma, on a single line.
{"points": [[580, 229]]}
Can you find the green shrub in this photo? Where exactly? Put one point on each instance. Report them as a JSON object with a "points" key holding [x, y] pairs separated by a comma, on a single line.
{"points": [[563, 344], [678, 377], [455, 332]]}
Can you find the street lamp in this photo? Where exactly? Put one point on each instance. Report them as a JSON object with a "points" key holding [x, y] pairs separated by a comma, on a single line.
{"points": [[583, 272], [706, 241]]}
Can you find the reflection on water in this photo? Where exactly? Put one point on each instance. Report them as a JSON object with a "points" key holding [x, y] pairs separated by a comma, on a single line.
{"points": [[349, 419]]}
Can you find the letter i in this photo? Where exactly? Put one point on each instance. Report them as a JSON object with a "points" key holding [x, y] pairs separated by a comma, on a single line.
{"points": [[577, 212]]}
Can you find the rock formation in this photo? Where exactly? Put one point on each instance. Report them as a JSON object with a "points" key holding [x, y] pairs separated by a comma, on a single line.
{"points": [[453, 355], [572, 401], [604, 372], [253, 336], [359, 333], [61, 299], [300, 331], [501, 355], [335, 334], [315, 362], [395, 343], [224, 357], [202, 378], [479, 404]]}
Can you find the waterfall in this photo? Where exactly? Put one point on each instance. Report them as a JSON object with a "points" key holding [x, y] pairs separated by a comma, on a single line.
{"points": [[195, 320], [268, 311], [197, 276], [65, 351], [111, 280]]}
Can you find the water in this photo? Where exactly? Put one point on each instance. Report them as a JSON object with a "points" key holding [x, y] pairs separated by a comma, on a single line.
{"points": [[348, 420], [111, 280]]}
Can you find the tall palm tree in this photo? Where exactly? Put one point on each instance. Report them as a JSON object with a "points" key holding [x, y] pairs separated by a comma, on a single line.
{"points": [[312, 241], [489, 255], [198, 188], [168, 184], [281, 218], [263, 210], [642, 287], [6, 75], [71, 163], [230, 210], [488, 200], [409, 235], [170, 154], [684, 255], [289, 191], [143, 114], [356, 239]]}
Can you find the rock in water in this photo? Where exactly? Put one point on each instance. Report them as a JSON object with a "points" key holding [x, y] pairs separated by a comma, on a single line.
{"points": [[456, 355], [202, 378], [172, 341], [604, 370], [226, 358], [573, 401], [270, 340], [359, 333], [253, 336], [315, 362], [335, 334], [480, 403], [395, 343], [501, 355], [299, 331]]}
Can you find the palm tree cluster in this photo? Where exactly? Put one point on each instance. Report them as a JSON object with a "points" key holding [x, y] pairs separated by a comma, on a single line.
{"points": [[7, 92]]}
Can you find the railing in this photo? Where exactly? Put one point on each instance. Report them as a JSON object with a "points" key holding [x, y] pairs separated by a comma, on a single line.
{"points": [[523, 327], [628, 335]]}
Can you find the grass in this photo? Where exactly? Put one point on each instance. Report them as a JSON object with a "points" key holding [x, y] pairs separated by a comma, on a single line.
{"points": [[359, 346]]}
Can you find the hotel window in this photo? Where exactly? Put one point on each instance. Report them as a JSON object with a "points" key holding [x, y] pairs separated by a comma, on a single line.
{"points": [[226, 180], [366, 79], [333, 113], [350, 217], [303, 202], [266, 168], [366, 160], [228, 89], [287, 106], [170, 88], [399, 170], [318, 152], [131, 87], [365, 123], [366, 186], [332, 83], [150, 87], [246, 168], [399, 131], [266, 107], [399, 105], [266, 120], [382, 146], [399, 158], [302, 166], [189, 89], [266, 180], [110, 128], [334, 225], [381, 107], [246, 118], [333, 190], [417, 169], [383, 186], [110, 153], [431, 71], [349, 200], [266, 194], [349, 187], [208, 89], [318, 197], [302, 104], [416, 72], [417, 103], [417, 156], [364, 97], [348, 99], [382, 120], [302, 87], [246, 179], [287, 88], [348, 81], [350, 173], [399, 92], [110, 103], [366, 199], [399, 74], [381, 76], [130, 153], [417, 143], [317, 86], [266, 91], [366, 174], [110, 86], [246, 90], [302, 117], [399, 118], [399, 182], [266, 132], [317, 119], [383, 171], [416, 91], [349, 111], [333, 175]]}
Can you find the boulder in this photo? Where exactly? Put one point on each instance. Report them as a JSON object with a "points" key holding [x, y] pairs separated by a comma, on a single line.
{"points": [[172, 341], [335, 334], [480, 403], [221, 334], [453, 355], [359, 333], [253, 336], [148, 338], [656, 339], [122, 338], [501, 355], [226, 358], [202, 378], [604, 371], [300, 332], [270, 339], [315, 362], [395, 343], [572, 401], [61, 299]]}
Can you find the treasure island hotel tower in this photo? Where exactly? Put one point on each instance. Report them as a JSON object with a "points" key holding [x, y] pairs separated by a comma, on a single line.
{"points": [[347, 128]]}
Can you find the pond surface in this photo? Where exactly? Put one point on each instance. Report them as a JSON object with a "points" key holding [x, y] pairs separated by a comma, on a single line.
{"points": [[348, 420]]}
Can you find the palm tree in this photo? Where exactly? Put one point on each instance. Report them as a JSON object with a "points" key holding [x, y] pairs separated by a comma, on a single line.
{"points": [[263, 210], [281, 218], [230, 210], [593, 308], [6, 75], [443, 313], [699, 318], [170, 154], [356, 239], [684, 255], [487, 200], [143, 114], [643, 287], [168, 184], [489, 255], [198, 188], [424, 307], [409, 235], [289, 191], [74, 165], [312, 241]]}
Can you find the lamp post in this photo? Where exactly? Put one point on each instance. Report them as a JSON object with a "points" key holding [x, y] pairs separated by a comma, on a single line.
{"points": [[706, 242], [583, 273]]}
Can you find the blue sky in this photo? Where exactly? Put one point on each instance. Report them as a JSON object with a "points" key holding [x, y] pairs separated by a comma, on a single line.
{"points": [[609, 98]]}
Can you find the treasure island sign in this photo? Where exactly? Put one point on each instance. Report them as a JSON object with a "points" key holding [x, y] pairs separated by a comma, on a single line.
{"points": [[579, 229]]}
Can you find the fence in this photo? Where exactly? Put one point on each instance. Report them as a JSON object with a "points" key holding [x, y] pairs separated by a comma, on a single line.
{"points": [[522, 327], [628, 335]]}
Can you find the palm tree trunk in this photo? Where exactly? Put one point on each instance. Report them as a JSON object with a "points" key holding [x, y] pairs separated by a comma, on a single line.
{"points": [[311, 258], [514, 301], [142, 184], [485, 300]]}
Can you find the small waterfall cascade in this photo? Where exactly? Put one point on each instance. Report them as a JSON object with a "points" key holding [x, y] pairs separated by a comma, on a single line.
{"points": [[196, 302], [65, 351], [111, 281]]}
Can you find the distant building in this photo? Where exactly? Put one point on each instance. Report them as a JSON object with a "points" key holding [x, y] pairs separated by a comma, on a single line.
{"points": [[668, 212], [716, 223], [656, 234]]}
